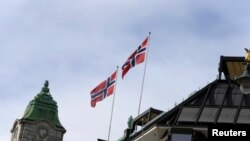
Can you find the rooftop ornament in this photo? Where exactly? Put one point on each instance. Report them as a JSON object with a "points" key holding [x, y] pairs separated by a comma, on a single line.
{"points": [[43, 107], [244, 79], [45, 89]]}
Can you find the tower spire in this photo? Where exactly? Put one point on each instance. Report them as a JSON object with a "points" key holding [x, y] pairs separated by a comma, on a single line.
{"points": [[40, 121]]}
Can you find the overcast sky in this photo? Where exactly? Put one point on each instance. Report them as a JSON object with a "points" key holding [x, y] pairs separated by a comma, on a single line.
{"points": [[76, 44]]}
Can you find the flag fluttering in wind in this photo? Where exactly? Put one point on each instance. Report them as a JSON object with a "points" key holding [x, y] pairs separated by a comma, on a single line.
{"points": [[103, 90], [137, 57]]}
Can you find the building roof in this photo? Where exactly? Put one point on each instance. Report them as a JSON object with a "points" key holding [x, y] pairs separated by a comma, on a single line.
{"points": [[220, 102], [43, 107]]}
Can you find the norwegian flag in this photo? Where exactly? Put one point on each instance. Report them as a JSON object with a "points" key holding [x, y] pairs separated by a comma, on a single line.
{"points": [[103, 90], [137, 57]]}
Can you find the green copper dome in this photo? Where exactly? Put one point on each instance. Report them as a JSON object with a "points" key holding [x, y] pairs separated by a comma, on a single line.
{"points": [[43, 107]]}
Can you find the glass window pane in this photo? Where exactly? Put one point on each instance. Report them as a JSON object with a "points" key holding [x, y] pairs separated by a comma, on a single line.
{"points": [[233, 99], [208, 114], [237, 99], [198, 101], [244, 116], [215, 99], [181, 137], [219, 99], [188, 114], [227, 115]]}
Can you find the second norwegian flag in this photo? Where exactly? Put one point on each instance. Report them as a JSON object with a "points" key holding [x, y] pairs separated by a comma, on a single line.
{"points": [[137, 57]]}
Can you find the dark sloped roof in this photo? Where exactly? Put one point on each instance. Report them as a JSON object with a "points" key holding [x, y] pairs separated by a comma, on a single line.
{"points": [[220, 102]]}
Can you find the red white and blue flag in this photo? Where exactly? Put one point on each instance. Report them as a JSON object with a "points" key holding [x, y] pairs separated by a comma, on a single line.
{"points": [[103, 90], [137, 57]]}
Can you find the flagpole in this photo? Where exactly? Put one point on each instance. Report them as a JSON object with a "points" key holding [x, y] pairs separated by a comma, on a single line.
{"points": [[112, 109], [145, 66]]}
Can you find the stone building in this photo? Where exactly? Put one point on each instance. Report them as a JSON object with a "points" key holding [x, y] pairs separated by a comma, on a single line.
{"points": [[40, 121]]}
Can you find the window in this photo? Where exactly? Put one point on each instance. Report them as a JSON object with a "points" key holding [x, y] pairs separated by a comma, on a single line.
{"points": [[208, 114], [188, 114], [234, 97], [227, 115], [181, 137], [246, 100], [198, 100], [244, 116], [217, 94]]}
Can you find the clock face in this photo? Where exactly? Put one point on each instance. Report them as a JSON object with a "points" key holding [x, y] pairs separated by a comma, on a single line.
{"points": [[42, 132]]}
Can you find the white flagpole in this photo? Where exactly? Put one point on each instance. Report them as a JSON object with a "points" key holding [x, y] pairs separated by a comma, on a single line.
{"points": [[145, 66], [112, 109]]}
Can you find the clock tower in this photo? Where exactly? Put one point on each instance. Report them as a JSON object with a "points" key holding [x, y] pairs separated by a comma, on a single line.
{"points": [[40, 121]]}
